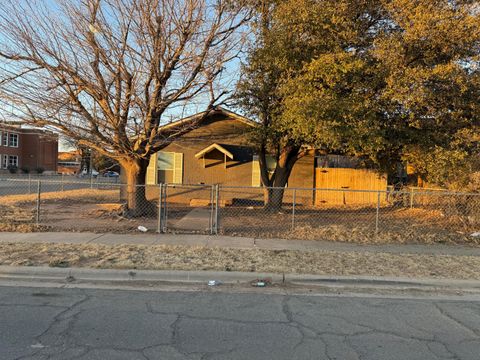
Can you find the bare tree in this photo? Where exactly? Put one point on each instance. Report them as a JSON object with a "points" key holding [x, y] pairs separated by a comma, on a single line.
{"points": [[108, 73]]}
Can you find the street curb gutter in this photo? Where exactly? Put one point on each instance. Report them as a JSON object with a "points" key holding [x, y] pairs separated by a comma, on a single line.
{"points": [[113, 276]]}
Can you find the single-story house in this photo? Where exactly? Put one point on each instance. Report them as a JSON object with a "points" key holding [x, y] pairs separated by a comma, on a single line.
{"points": [[215, 148]]}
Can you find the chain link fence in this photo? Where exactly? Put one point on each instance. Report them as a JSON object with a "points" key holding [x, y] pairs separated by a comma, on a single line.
{"points": [[99, 205]]}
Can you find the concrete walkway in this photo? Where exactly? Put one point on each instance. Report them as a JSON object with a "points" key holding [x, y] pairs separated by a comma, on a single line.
{"points": [[231, 242]]}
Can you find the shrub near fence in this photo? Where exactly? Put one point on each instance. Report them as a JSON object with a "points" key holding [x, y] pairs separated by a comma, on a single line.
{"points": [[395, 216]]}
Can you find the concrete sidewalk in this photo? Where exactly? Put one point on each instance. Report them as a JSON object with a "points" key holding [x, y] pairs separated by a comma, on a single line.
{"points": [[232, 242]]}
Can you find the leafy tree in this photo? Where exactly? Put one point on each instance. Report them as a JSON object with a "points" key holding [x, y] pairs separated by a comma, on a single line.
{"points": [[429, 56], [292, 38], [388, 80]]}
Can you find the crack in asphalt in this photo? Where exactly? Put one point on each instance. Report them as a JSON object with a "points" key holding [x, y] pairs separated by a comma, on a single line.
{"points": [[58, 337], [56, 319], [445, 314]]}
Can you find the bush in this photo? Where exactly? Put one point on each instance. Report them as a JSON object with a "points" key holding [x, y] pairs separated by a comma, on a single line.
{"points": [[25, 170], [39, 170], [12, 169]]}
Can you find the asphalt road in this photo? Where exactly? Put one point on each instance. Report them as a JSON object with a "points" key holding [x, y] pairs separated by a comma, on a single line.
{"points": [[48, 323]]}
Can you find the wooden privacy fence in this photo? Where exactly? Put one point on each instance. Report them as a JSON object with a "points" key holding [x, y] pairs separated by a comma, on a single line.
{"points": [[349, 179]]}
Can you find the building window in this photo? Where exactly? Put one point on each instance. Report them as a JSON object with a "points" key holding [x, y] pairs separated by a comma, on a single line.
{"points": [[168, 168], [5, 139], [4, 161], [13, 160], [256, 177], [1, 137], [13, 140], [165, 160]]}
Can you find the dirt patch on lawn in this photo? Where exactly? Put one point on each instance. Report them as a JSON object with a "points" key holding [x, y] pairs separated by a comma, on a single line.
{"points": [[167, 257]]}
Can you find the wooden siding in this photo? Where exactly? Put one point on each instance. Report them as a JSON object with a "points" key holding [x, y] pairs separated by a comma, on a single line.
{"points": [[348, 179]]}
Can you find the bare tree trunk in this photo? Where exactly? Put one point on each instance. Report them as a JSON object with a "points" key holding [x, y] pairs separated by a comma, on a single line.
{"points": [[135, 174]]}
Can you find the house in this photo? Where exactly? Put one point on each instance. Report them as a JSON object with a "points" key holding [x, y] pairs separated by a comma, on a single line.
{"points": [[27, 148], [215, 148], [69, 162]]}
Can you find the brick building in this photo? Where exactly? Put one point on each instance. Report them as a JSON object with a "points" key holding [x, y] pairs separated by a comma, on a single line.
{"points": [[27, 148]]}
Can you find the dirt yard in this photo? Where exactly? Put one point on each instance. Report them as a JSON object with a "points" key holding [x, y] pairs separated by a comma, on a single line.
{"points": [[96, 210], [201, 258]]}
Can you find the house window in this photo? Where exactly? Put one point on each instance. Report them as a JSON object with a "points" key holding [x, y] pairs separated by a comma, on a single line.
{"points": [[271, 164], [168, 168], [5, 139], [4, 161], [165, 161], [13, 140], [13, 160]]}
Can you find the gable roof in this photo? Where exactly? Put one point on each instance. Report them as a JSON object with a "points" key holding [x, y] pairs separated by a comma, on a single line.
{"points": [[218, 110], [233, 152], [213, 147]]}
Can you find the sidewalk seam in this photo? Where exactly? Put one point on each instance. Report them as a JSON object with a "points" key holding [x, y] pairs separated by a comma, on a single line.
{"points": [[95, 238]]}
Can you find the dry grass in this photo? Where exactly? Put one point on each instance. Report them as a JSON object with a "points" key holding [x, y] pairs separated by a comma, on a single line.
{"points": [[22, 228], [98, 210], [77, 196], [363, 235], [19, 219], [17, 212], [202, 258]]}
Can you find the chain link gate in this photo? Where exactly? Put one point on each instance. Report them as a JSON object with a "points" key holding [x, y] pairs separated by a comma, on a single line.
{"points": [[188, 209]]}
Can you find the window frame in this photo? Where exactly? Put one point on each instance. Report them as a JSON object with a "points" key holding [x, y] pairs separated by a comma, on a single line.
{"points": [[13, 136], [10, 157]]}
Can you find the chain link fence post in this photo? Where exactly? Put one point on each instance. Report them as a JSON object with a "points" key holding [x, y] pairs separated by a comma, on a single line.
{"points": [[63, 189], [377, 212], [165, 209], [411, 197], [293, 208], [159, 215], [217, 204], [37, 215], [212, 210]]}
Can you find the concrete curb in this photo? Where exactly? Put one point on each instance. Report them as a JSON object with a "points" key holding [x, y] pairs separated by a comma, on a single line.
{"points": [[113, 276]]}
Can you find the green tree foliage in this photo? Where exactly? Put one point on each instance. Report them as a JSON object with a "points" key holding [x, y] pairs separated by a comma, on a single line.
{"points": [[389, 80], [429, 60]]}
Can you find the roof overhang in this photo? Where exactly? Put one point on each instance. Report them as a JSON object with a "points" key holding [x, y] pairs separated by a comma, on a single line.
{"points": [[207, 113]]}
